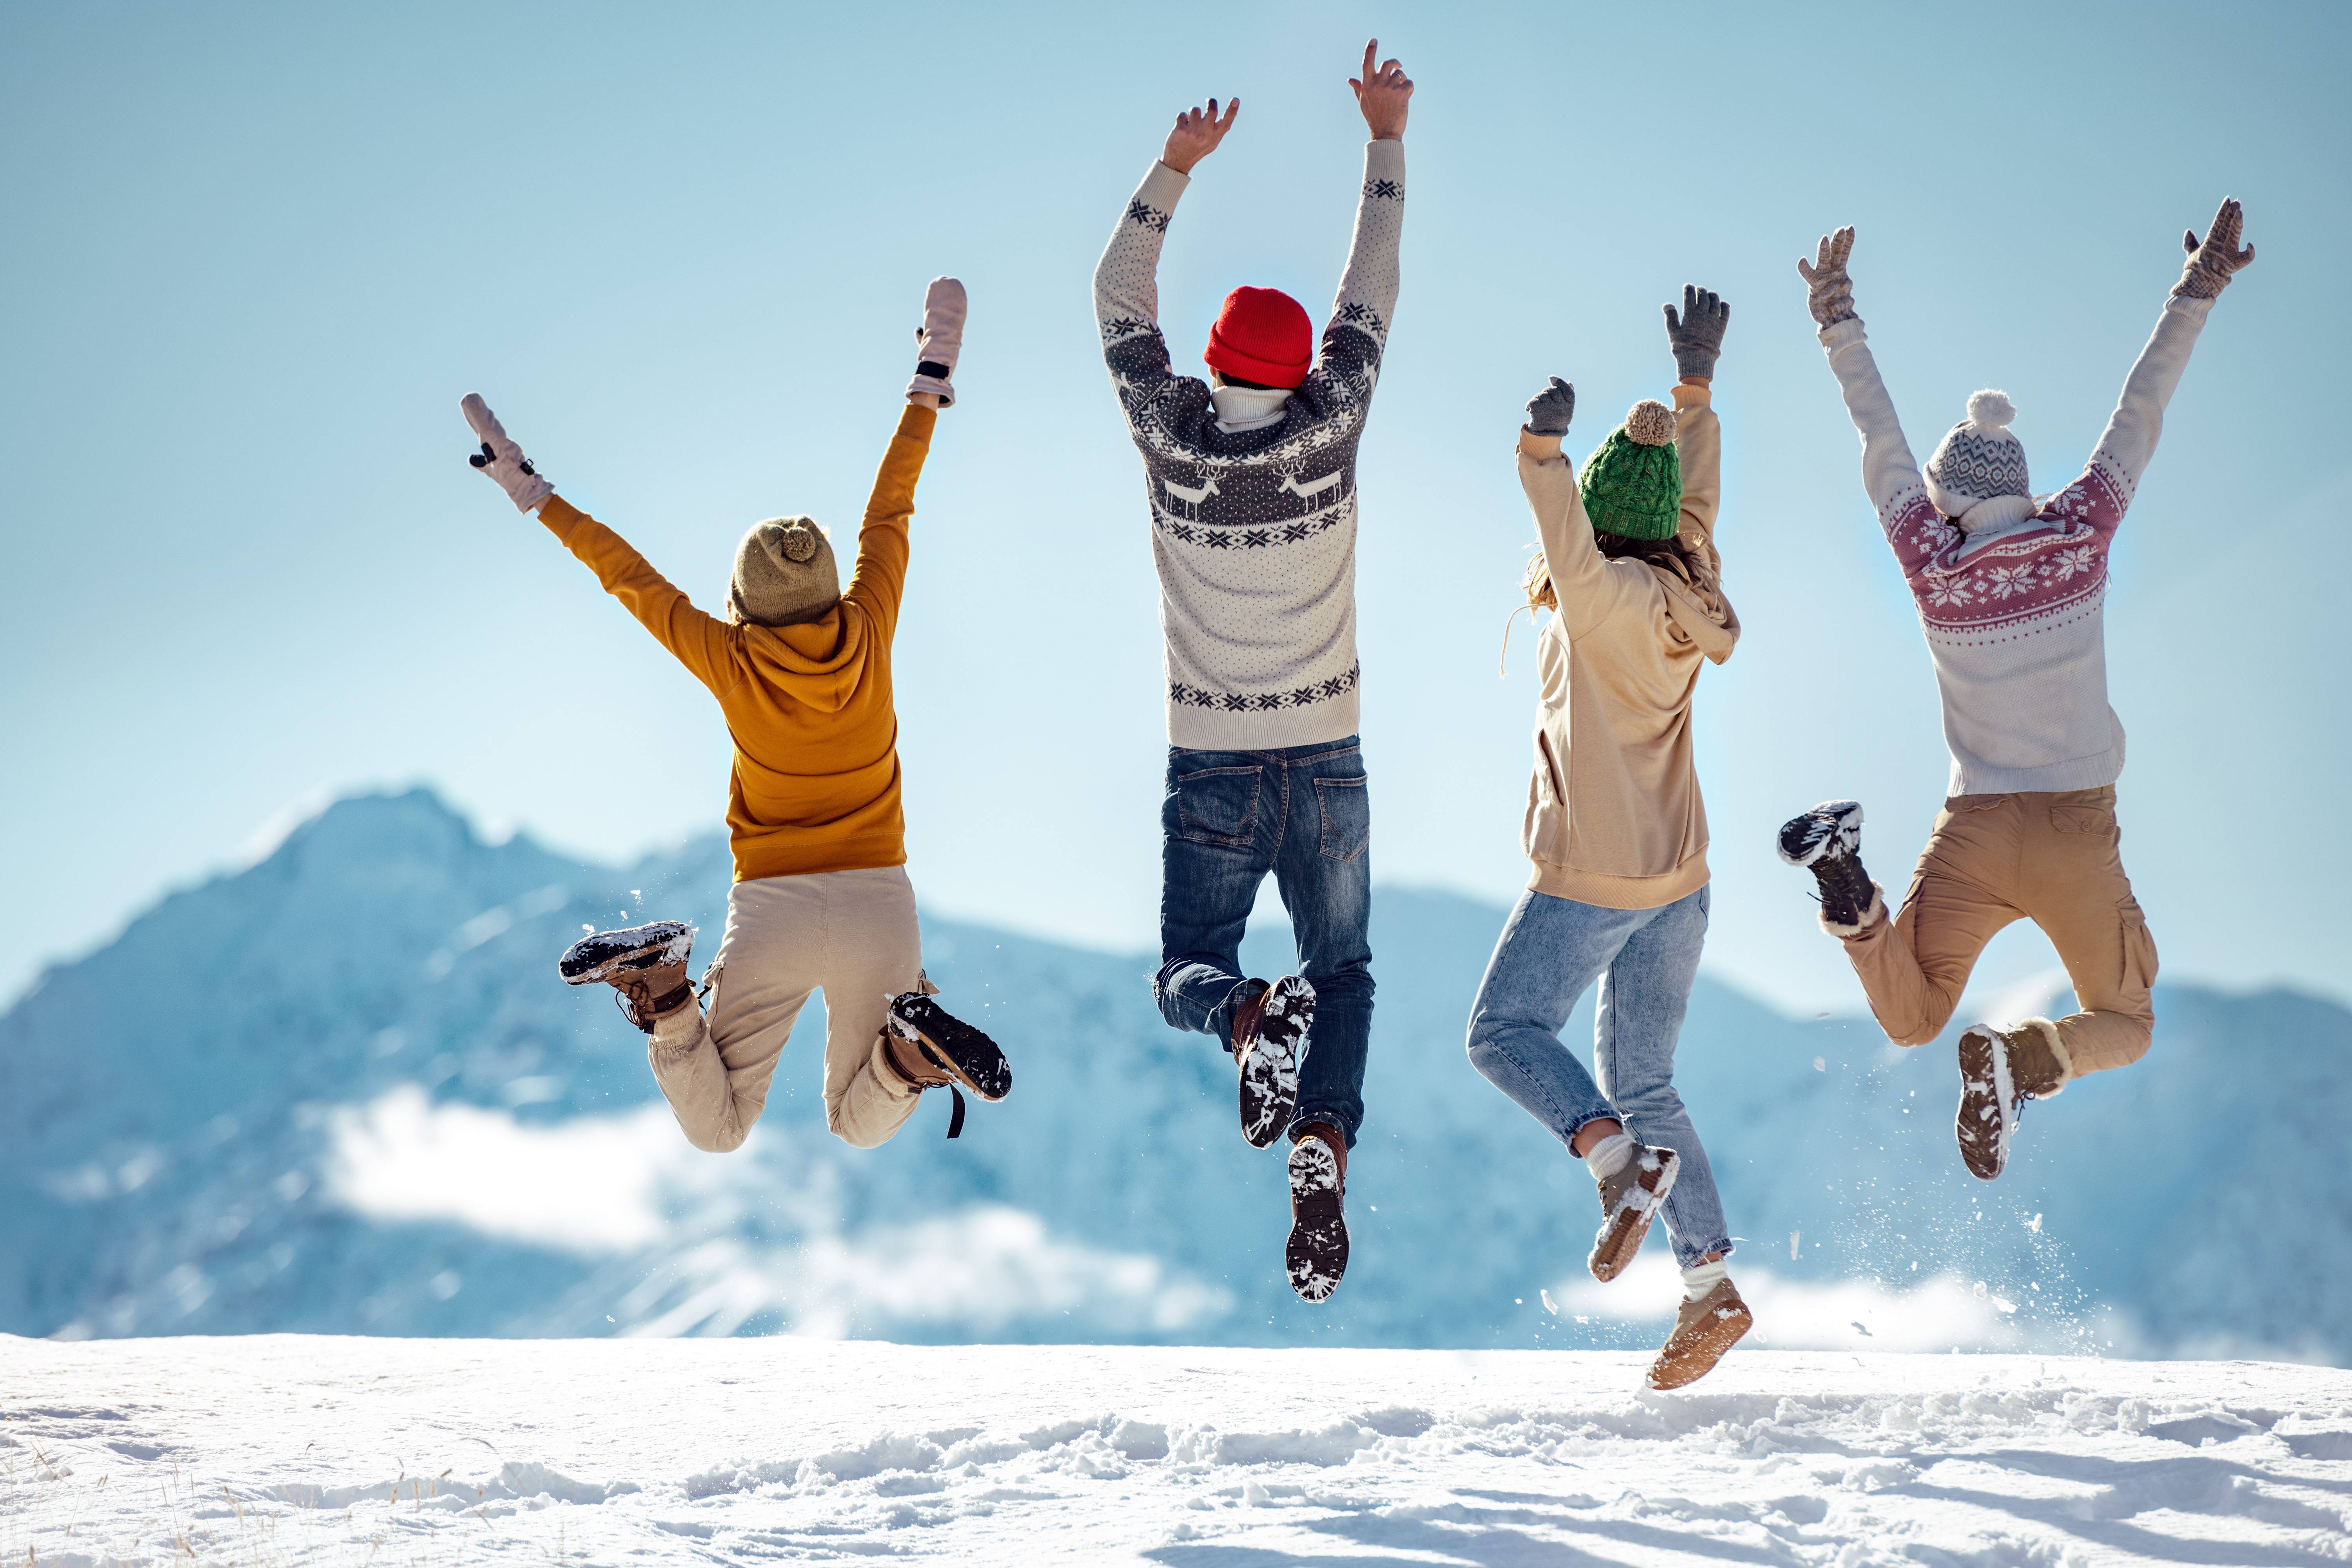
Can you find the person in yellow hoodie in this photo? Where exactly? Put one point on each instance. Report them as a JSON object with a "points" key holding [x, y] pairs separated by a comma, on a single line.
{"points": [[1615, 826], [801, 670]]}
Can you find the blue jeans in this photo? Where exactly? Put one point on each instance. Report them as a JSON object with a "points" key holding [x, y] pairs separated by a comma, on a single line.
{"points": [[1301, 812], [1646, 960]]}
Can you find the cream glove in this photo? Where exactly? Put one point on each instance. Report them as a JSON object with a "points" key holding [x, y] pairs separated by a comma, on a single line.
{"points": [[939, 341], [502, 459]]}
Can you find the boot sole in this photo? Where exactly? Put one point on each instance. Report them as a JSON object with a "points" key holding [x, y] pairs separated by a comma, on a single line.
{"points": [[965, 1053], [1622, 1234], [1316, 1255], [1269, 1085], [609, 952], [1986, 1095], [1685, 1359], [1798, 842]]}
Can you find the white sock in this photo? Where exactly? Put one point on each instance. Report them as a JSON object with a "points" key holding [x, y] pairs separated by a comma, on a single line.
{"points": [[1608, 1157], [1699, 1278]]}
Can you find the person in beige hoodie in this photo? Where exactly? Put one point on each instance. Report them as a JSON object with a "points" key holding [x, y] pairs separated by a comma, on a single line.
{"points": [[1615, 827]]}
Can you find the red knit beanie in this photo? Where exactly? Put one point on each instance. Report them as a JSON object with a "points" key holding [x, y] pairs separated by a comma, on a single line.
{"points": [[1262, 336]]}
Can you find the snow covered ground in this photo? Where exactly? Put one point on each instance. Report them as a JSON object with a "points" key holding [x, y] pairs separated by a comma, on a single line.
{"points": [[286, 1449]]}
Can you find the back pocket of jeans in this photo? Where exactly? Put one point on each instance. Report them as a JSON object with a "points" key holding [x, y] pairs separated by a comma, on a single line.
{"points": [[1346, 811], [1217, 806]]}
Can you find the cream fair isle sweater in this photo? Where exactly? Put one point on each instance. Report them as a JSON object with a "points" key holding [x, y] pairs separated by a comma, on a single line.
{"points": [[2015, 621]]}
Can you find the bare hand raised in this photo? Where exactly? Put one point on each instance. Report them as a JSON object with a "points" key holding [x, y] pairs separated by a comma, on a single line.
{"points": [[1197, 133], [1383, 94]]}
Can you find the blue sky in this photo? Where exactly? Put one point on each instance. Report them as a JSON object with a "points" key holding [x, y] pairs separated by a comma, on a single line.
{"points": [[254, 255]]}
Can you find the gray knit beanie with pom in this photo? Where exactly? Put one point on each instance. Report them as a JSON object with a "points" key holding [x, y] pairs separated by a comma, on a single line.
{"points": [[784, 574], [1978, 461]]}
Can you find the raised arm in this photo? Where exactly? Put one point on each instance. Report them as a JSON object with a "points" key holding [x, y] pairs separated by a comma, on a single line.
{"points": [[1127, 279], [2129, 441], [1889, 472], [701, 642], [1587, 592], [879, 582], [1696, 336], [1368, 287]]}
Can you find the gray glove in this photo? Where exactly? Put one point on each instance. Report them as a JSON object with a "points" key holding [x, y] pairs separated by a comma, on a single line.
{"points": [[1831, 291], [2211, 261], [1697, 336], [1550, 410]]}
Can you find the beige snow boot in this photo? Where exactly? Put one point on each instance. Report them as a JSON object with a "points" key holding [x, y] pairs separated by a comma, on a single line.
{"points": [[1704, 1330], [2001, 1069]]}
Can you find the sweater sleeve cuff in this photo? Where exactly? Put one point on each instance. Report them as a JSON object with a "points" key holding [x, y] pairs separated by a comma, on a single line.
{"points": [[2186, 305], [1542, 448], [1843, 335], [1689, 396], [560, 517], [915, 424], [1384, 160], [1162, 186]]}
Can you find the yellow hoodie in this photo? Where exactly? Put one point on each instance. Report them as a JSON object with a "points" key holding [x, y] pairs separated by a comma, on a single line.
{"points": [[815, 785]]}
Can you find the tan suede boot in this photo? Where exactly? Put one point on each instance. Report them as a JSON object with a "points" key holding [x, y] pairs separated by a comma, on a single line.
{"points": [[1704, 1330], [647, 964], [2001, 1069], [1317, 1252], [1630, 1200]]}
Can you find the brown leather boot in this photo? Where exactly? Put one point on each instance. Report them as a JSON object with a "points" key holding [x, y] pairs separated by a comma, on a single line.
{"points": [[647, 964], [928, 1048], [1270, 1028], [1317, 1252]]}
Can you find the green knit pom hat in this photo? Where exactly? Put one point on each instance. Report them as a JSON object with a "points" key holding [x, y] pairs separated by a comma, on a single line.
{"points": [[1633, 483]]}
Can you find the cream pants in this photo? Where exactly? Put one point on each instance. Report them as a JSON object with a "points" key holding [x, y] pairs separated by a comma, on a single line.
{"points": [[2048, 858], [850, 935]]}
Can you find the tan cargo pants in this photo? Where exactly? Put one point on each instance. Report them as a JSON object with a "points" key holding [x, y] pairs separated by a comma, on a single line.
{"points": [[2048, 858], [850, 935]]}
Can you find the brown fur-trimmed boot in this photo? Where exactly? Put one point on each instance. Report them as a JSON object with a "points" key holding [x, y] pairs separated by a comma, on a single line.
{"points": [[1317, 1252], [647, 964], [2001, 1069]]}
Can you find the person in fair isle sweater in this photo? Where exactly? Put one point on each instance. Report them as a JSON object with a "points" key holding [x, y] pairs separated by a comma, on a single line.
{"points": [[1252, 481], [2009, 588], [801, 670], [1615, 828]]}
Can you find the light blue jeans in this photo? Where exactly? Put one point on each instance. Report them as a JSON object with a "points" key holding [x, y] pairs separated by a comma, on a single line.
{"points": [[1646, 960]]}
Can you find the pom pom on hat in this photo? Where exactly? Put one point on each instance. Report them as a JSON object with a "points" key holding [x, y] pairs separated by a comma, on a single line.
{"points": [[784, 574], [1990, 407], [1978, 459], [1650, 423]]}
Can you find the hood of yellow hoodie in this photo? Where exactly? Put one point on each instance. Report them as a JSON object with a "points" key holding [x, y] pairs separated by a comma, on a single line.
{"points": [[818, 664]]}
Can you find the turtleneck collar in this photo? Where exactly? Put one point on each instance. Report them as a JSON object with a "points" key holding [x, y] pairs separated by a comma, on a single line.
{"points": [[1248, 407]]}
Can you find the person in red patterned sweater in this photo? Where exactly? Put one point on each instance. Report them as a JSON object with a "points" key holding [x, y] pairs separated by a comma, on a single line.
{"points": [[2009, 588]]}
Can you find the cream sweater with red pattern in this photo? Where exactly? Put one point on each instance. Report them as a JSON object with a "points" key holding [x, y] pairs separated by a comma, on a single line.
{"points": [[2015, 616]]}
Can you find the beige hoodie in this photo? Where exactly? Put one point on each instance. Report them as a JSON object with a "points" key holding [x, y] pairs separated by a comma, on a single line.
{"points": [[1614, 811]]}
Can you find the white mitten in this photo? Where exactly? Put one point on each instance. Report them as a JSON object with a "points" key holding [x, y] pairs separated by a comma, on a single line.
{"points": [[939, 339], [502, 459]]}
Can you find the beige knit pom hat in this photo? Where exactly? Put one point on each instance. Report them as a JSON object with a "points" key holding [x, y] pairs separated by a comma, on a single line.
{"points": [[784, 574]]}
